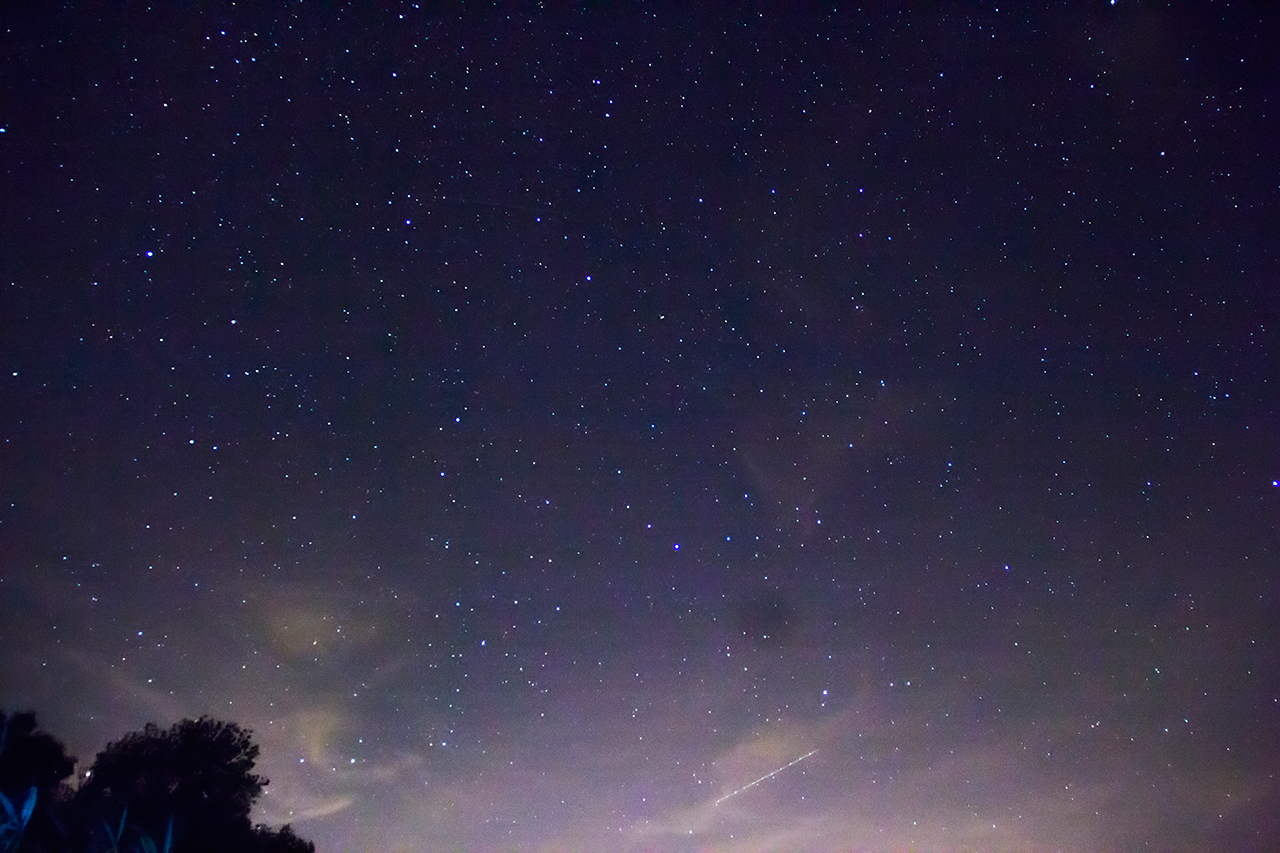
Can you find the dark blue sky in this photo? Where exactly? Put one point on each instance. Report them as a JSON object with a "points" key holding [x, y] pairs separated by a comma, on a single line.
{"points": [[536, 427]]}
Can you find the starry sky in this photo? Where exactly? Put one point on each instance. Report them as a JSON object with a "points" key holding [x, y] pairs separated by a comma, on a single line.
{"points": [[540, 425]]}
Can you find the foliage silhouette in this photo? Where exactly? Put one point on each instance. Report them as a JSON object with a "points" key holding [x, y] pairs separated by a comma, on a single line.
{"points": [[34, 768], [186, 789], [198, 772], [282, 840]]}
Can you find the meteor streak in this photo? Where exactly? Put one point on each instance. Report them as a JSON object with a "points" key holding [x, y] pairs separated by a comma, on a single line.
{"points": [[764, 777]]}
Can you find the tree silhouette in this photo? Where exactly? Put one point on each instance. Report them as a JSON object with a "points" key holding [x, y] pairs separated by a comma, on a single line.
{"points": [[267, 840], [186, 789], [34, 767], [193, 783]]}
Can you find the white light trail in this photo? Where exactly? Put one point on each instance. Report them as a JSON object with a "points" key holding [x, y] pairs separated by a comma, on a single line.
{"points": [[764, 777]]}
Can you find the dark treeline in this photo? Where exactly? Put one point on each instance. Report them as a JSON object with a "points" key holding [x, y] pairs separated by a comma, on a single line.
{"points": [[186, 789]]}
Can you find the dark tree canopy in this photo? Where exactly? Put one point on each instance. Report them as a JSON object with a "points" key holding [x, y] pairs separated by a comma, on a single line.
{"points": [[192, 783], [197, 774], [282, 840], [30, 758], [197, 767], [32, 761]]}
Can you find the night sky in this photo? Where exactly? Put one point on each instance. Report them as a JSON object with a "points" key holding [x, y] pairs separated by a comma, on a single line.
{"points": [[538, 427]]}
